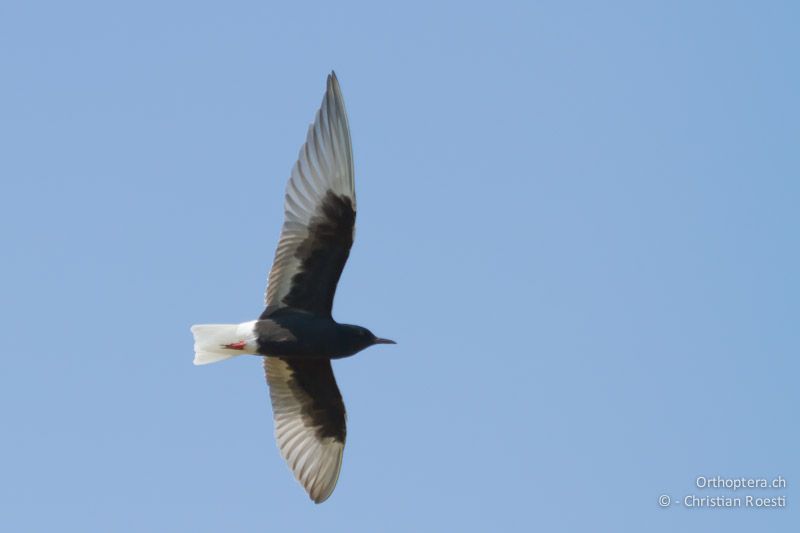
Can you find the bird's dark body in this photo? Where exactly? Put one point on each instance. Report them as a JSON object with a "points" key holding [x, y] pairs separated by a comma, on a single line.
{"points": [[288, 332]]}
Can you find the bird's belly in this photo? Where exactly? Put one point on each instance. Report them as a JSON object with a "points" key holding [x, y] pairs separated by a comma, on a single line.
{"points": [[297, 337], [314, 347]]}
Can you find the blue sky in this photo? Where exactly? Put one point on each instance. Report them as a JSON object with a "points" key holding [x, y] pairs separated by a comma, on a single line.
{"points": [[578, 219]]}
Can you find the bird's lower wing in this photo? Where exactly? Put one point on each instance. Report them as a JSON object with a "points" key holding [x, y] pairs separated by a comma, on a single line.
{"points": [[309, 421]]}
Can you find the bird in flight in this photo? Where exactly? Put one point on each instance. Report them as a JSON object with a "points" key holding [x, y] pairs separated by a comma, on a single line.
{"points": [[296, 334]]}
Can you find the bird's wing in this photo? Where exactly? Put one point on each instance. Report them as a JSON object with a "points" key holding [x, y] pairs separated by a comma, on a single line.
{"points": [[319, 214], [309, 421]]}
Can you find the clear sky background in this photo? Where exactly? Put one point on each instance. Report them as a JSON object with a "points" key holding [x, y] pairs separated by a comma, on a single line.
{"points": [[579, 221]]}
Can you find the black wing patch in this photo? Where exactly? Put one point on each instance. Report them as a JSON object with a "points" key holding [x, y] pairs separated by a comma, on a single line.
{"points": [[322, 255]]}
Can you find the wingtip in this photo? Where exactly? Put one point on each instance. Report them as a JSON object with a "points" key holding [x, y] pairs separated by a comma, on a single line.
{"points": [[323, 496], [333, 83]]}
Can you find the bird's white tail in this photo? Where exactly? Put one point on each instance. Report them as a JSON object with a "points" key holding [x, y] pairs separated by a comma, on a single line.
{"points": [[211, 341]]}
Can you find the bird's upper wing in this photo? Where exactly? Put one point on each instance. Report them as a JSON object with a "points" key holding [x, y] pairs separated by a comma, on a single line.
{"points": [[319, 214], [309, 421]]}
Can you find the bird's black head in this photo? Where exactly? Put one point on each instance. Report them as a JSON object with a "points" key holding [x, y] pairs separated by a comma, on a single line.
{"points": [[358, 338]]}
